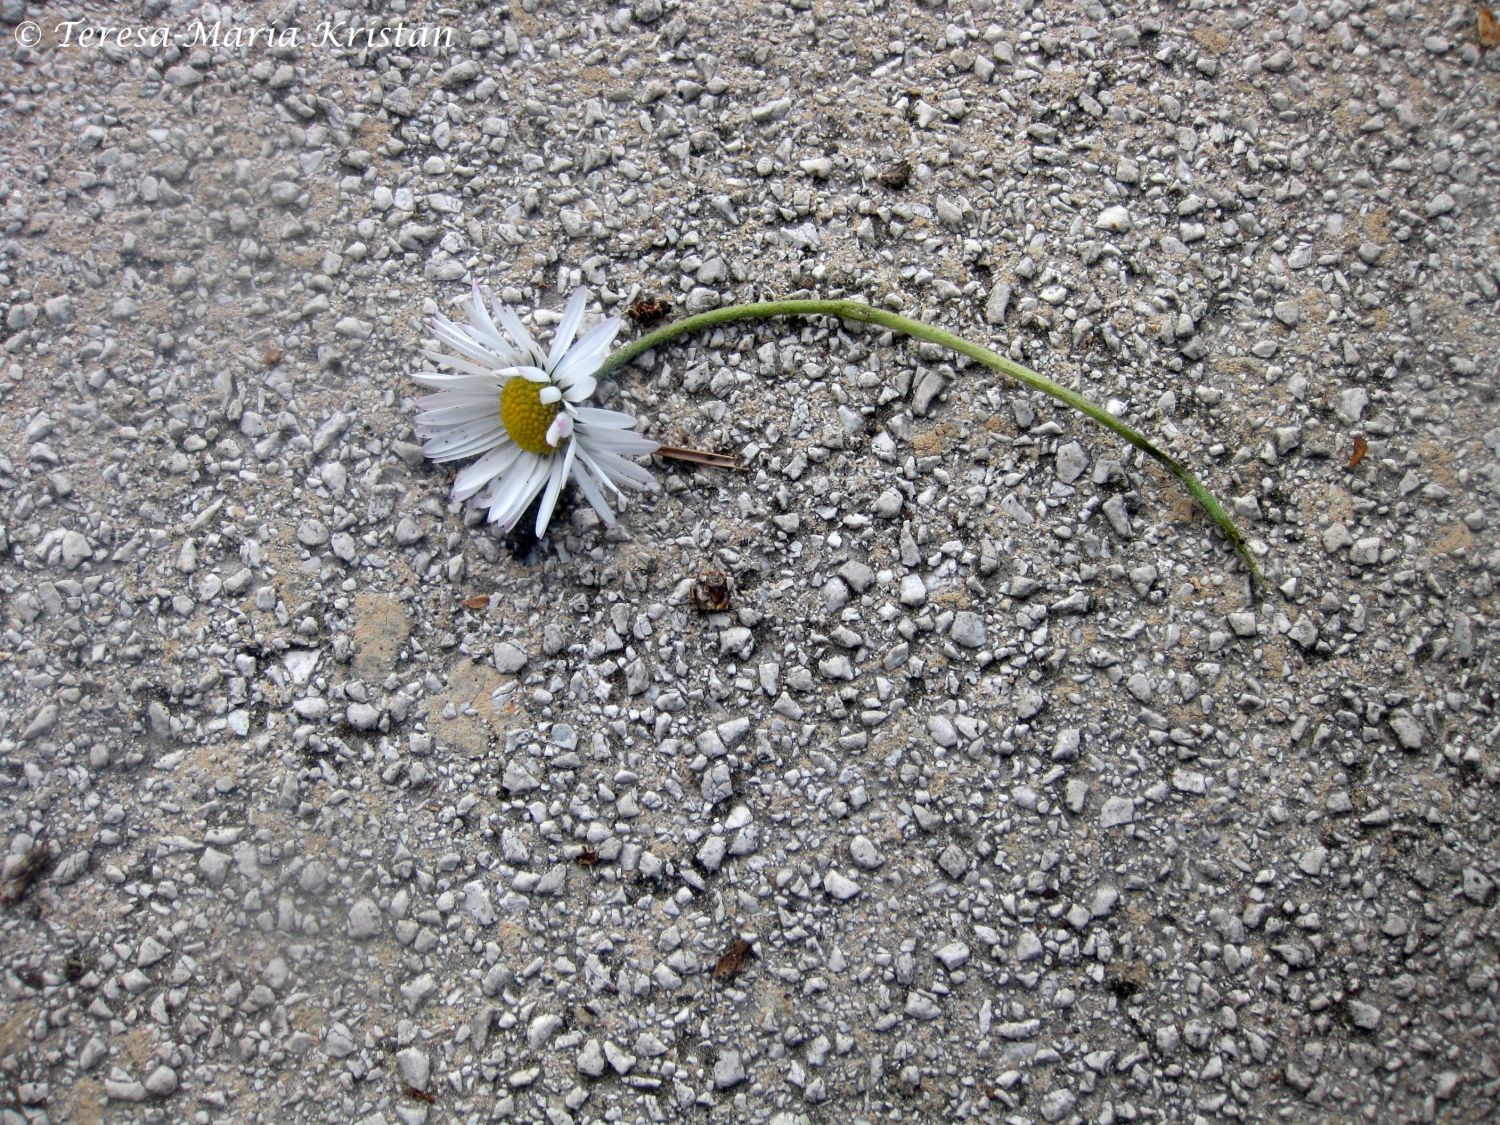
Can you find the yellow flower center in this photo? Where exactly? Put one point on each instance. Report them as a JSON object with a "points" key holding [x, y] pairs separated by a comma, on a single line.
{"points": [[526, 417]]}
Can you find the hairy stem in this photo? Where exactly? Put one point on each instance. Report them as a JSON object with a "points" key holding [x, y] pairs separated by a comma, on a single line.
{"points": [[866, 314]]}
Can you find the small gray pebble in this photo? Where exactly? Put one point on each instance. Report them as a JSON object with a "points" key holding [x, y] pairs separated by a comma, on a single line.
{"points": [[1028, 946], [840, 886], [214, 866], [888, 504], [75, 550], [362, 716], [183, 76], [717, 784], [1118, 516], [415, 1067], [509, 657], [151, 952], [312, 533], [864, 853], [124, 1090], [364, 919], [620, 1060], [929, 386], [1351, 404], [1072, 460], [1057, 1104], [479, 904], [999, 301], [1477, 886], [1363, 1015], [1076, 794], [590, 1060], [858, 575], [541, 1030], [835, 594], [1409, 732], [710, 856], [952, 956], [953, 861], [921, 1005], [729, 1070], [161, 1081], [1065, 749], [968, 629]]}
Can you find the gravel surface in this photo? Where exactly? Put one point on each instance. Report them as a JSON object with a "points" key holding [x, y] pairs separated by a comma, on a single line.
{"points": [[994, 793]]}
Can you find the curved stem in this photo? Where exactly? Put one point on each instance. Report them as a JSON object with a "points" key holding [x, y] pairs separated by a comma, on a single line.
{"points": [[859, 311]]}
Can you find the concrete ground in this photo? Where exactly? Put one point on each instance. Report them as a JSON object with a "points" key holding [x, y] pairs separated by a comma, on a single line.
{"points": [[986, 789]]}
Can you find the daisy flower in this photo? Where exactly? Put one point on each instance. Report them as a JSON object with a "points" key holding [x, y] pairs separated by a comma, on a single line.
{"points": [[521, 410]]}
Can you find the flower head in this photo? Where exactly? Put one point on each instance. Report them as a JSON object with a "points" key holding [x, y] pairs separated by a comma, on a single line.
{"points": [[521, 411]]}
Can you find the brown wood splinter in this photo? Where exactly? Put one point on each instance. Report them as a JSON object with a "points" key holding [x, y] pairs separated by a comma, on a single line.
{"points": [[698, 457]]}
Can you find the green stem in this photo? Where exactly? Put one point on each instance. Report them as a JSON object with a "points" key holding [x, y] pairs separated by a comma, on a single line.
{"points": [[857, 310]]}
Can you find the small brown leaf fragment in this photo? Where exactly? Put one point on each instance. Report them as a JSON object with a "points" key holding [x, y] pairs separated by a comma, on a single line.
{"points": [[32, 866], [476, 601], [735, 958], [420, 1095], [1489, 28], [711, 591], [896, 177], [1359, 452], [647, 311], [587, 857]]}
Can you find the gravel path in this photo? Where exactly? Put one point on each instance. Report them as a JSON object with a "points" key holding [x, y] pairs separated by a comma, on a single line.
{"points": [[994, 793]]}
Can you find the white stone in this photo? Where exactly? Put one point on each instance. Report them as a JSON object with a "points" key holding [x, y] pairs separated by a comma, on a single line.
{"points": [[840, 886]]}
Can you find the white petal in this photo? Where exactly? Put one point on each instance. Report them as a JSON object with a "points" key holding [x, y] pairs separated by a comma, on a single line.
{"points": [[440, 382], [585, 356], [572, 316], [535, 481], [489, 467], [518, 333], [608, 419], [581, 388], [624, 442], [462, 441], [560, 468], [586, 458], [585, 481], [467, 366], [479, 317], [458, 398], [561, 427], [619, 471], [488, 352], [514, 491], [459, 336], [550, 394], [461, 414]]}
